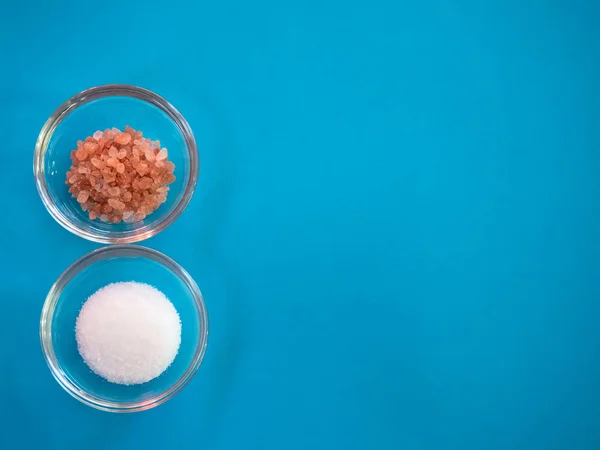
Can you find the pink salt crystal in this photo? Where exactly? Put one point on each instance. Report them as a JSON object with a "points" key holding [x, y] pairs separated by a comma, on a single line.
{"points": [[149, 154], [117, 178], [128, 216], [98, 163], [123, 138], [116, 204], [90, 146], [142, 169], [162, 154], [81, 154], [83, 196], [145, 183]]}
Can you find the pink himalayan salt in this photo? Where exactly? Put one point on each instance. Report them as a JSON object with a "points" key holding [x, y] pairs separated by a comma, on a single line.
{"points": [[113, 181]]}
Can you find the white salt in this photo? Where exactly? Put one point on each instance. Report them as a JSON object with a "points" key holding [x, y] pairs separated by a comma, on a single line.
{"points": [[128, 333]]}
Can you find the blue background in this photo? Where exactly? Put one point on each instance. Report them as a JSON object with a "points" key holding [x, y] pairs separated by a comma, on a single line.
{"points": [[396, 226]]}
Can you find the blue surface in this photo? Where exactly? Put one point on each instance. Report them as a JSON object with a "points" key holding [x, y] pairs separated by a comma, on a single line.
{"points": [[396, 226]]}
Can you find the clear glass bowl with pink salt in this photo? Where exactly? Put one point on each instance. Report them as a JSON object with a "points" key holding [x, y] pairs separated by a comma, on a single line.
{"points": [[108, 107], [121, 263]]}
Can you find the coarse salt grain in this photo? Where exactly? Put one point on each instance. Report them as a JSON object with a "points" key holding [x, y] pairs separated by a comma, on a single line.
{"points": [[128, 333], [127, 161]]}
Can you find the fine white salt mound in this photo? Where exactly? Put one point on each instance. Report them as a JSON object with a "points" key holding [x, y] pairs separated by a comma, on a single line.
{"points": [[128, 333]]}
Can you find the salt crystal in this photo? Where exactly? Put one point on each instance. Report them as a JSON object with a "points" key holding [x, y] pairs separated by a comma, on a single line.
{"points": [[142, 169], [81, 154], [83, 196], [128, 333], [123, 138], [118, 205], [149, 154], [162, 154], [145, 183], [90, 146], [98, 163], [133, 180]]}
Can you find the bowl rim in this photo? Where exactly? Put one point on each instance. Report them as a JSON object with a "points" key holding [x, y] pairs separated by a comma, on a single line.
{"points": [[95, 93], [52, 300]]}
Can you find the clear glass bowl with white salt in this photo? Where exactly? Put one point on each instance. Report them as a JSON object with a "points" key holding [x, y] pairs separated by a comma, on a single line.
{"points": [[63, 305]]}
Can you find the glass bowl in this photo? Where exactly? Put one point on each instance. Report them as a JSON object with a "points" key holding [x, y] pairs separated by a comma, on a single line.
{"points": [[99, 108], [87, 275]]}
